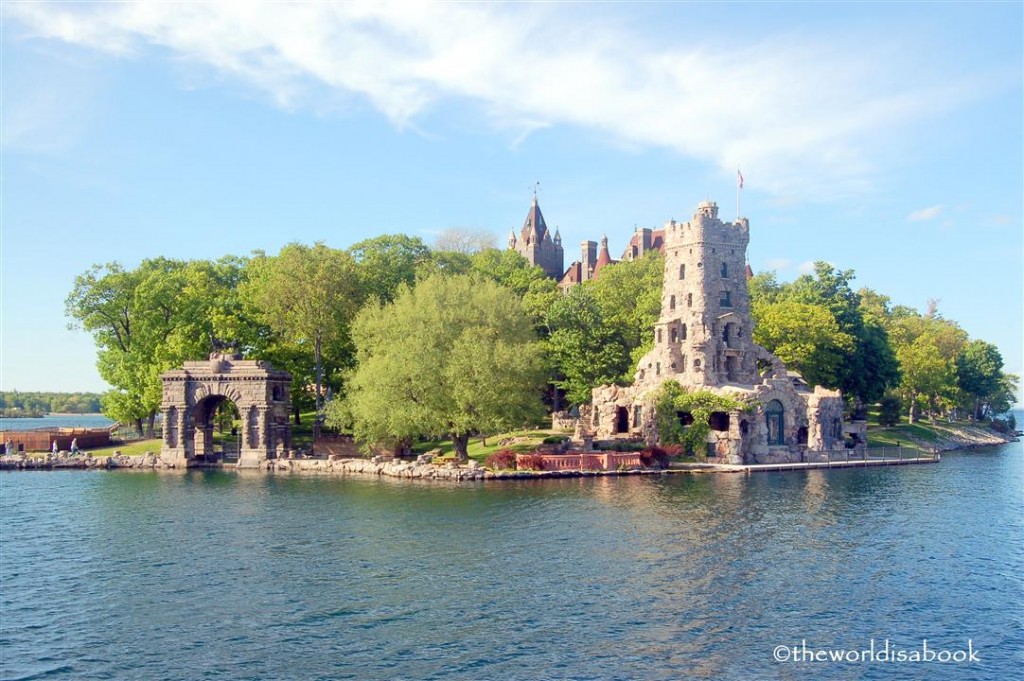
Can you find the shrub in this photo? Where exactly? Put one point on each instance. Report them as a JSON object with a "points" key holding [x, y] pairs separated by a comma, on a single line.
{"points": [[501, 460], [531, 462], [889, 411], [659, 456], [555, 439]]}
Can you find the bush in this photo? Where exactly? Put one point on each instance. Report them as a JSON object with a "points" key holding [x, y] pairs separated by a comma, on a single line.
{"points": [[889, 411], [659, 455], [621, 446], [555, 439], [531, 462], [501, 460]]}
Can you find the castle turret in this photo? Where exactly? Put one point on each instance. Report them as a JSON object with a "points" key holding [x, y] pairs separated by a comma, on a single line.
{"points": [[702, 337], [536, 245]]}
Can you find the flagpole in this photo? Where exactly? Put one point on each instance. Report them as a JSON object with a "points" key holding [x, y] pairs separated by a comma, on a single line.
{"points": [[739, 186]]}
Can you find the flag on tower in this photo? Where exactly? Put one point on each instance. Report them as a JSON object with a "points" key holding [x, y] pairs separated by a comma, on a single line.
{"points": [[739, 179]]}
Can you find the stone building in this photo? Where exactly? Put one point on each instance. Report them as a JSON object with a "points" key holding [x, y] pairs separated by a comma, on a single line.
{"points": [[702, 340], [589, 266], [191, 395], [536, 243]]}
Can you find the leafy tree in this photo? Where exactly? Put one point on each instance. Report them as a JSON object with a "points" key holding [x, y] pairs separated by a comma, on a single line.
{"points": [[979, 370], [926, 373], [308, 296], [870, 365], [629, 296], [889, 411], [804, 336], [454, 355], [147, 320], [513, 271], [584, 349], [386, 263]]}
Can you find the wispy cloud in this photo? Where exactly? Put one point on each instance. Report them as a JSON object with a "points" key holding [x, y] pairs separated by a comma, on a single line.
{"points": [[806, 267], [929, 213], [778, 263], [803, 114]]}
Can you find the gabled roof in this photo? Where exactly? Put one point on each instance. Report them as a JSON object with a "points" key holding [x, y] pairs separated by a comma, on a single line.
{"points": [[534, 220], [573, 275]]}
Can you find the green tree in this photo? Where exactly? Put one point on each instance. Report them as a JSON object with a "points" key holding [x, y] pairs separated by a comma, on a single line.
{"points": [[308, 296], [804, 336], [453, 356], [584, 350], [979, 371], [145, 321], [386, 263], [629, 297]]}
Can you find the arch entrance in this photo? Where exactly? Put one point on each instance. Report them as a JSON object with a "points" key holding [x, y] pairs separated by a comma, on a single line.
{"points": [[195, 394]]}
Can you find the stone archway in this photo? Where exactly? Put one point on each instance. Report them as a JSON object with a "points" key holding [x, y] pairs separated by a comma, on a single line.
{"points": [[191, 395]]}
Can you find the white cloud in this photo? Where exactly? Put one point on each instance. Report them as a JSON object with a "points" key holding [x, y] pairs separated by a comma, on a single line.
{"points": [[806, 267], [929, 213], [804, 115]]}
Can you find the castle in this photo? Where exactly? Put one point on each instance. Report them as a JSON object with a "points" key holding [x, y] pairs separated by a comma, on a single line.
{"points": [[702, 340]]}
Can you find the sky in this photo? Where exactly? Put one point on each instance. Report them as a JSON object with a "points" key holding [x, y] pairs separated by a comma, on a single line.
{"points": [[886, 138]]}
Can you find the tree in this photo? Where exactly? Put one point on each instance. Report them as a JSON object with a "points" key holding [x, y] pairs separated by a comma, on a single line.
{"points": [[979, 371], [308, 296], [386, 263], [453, 356], [629, 297], [925, 374], [463, 240], [147, 320], [806, 337], [584, 350], [870, 366]]}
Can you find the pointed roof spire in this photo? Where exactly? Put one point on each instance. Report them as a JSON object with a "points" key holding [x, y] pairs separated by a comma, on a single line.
{"points": [[603, 258], [534, 227], [558, 237]]}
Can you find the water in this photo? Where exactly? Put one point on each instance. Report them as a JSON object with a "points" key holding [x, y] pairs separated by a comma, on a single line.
{"points": [[56, 421], [243, 576]]}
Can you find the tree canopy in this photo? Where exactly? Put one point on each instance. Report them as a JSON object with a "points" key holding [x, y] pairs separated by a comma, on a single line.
{"points": [[455, 355]]}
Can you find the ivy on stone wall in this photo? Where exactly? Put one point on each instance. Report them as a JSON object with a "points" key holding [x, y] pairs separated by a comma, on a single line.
{"points": [[672, 399]]}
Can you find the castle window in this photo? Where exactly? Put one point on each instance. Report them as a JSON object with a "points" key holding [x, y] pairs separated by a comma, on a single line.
{"points": [[658, 334], [689, 300], [725, 270], [719, 420], [657, 369], [724, 300], [684, 331], [682, 271], [675, 334], [684, 363], [672, 302]]}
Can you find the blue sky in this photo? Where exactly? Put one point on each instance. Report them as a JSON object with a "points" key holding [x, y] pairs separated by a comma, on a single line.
{"points": [[886, 138]]}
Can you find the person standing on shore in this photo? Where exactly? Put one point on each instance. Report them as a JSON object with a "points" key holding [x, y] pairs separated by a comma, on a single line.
{"points": [[54, 448], [9, 448], [74, 445]]}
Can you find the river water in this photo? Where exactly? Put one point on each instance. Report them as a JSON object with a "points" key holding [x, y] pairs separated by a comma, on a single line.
{"points": [[217, 575]]}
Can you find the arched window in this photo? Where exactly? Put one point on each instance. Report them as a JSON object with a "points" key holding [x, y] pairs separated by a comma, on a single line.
{"points": [[725, 270], [658, 334], [672, 302], [774, 419], [675, 334]]}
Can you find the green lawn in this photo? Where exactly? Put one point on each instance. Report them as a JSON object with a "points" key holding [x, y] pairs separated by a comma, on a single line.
{"points": [[530, 439]]}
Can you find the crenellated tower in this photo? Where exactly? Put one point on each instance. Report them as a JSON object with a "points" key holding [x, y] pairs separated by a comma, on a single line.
{"points": [[702, 337]]}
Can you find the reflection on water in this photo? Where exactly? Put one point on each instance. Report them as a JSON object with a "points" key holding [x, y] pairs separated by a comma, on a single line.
{"points": [[212, 574]]}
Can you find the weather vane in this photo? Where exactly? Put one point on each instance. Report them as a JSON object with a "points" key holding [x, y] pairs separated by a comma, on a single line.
{"points": [[535, 187]]}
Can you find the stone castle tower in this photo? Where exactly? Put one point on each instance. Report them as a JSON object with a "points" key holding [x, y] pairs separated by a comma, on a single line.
{"points": [[537, 245], [702, 337], [702, 340]]}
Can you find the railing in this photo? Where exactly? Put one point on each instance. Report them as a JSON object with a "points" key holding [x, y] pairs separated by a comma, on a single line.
{"points": [[894, 454]]}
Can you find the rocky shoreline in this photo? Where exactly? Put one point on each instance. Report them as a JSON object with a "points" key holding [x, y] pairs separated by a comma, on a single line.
{"points": [[951, 438]]}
